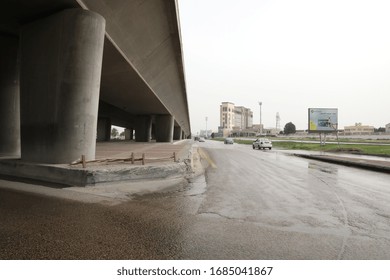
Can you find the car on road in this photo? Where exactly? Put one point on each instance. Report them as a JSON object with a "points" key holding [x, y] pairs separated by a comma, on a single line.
{"points": [[201, 139], [262, 143], [228, 141]]}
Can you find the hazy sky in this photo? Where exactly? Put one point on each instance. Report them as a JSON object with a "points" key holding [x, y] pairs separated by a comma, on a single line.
{"points": [[290, 55]]}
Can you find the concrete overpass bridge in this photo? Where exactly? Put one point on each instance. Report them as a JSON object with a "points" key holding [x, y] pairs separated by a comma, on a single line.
{"points": [[69, 69]]}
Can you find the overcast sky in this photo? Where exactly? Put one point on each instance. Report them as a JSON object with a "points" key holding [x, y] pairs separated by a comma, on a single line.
{"points": [[290, 55]]}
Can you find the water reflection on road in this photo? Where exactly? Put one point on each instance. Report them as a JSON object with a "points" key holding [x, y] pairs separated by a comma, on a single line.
{"points": [[285, 193]]}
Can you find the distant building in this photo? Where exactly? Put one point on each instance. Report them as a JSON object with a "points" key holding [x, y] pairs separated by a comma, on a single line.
{"points": [[271, 131], [227, 115], [205, 133], [387, 129], [243, 117], [234, 118], [358, 129], [256, 127]]}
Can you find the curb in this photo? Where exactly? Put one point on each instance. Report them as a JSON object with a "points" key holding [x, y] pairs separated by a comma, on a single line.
{"points": [[365, 164]]}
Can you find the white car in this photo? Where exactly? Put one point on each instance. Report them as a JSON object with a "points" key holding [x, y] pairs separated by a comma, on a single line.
{"points": [[262, 143]]}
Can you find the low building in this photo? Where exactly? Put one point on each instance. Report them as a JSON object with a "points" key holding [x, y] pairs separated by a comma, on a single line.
{"points": [[359, 129], [256, 128], [238, 132], [271, 131], [387, 129]]}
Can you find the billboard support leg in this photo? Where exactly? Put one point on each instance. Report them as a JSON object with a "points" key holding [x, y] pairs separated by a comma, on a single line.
{"points": [[322, 141]]}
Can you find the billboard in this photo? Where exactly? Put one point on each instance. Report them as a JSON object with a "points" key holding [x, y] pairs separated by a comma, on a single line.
{"points": [[322, 120]]}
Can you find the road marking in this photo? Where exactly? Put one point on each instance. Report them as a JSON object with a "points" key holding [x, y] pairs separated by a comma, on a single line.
{"points": [[203, 154]]}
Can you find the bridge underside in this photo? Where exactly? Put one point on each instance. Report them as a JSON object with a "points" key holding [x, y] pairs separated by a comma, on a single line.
{"points": [[70, 69]]}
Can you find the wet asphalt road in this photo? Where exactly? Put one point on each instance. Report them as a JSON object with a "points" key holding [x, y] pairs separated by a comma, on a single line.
{"points": [[249, 205]]}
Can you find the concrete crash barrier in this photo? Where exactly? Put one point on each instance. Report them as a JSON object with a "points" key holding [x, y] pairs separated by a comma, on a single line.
{"points": [[65, 175]]}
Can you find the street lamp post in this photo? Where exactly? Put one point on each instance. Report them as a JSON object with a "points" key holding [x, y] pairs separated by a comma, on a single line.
{"points": [[261, 128], [206, 128]]}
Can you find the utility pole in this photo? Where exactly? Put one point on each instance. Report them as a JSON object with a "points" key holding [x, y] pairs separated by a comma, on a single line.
{"points": [[206, 128], [261, 128]]}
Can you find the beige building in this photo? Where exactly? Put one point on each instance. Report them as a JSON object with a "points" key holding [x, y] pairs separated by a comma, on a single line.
{"points": [[358, 129], [234, 118], [237, 117], [243, 117], [227, 115]]}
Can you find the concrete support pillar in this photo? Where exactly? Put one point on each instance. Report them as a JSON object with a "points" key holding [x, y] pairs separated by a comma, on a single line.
{"points": [[103, 129], [143, 129], [61, 61], [129, 134], [164, 128], [9, 97], [177, 133], [153, 133]]}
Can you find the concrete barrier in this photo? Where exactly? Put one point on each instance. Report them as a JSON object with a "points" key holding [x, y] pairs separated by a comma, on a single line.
{"points": [[66, 175]]}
